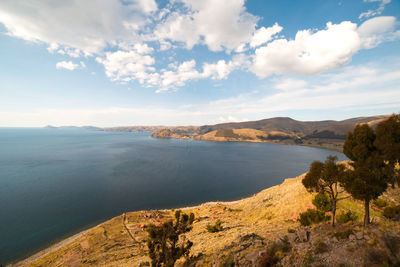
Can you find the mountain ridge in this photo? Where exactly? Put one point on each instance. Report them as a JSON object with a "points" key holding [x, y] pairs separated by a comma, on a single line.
{"points": [[328, 134]]}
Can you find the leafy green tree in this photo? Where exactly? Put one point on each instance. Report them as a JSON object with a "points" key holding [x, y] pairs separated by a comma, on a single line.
{"points": [[312, 216], [322, 202], [326, 178], [165, 247], [388, 142], [367, 179]]}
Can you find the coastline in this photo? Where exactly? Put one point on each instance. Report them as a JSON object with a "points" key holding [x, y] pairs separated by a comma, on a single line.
{"points": [[31, 260], [328, 146]]}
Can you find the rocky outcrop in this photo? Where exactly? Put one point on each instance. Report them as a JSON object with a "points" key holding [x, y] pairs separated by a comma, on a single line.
{"points": [[163, 133]]}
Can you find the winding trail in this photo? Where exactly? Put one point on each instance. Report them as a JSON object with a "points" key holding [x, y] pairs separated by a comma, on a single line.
{"points": [[127, 229]]}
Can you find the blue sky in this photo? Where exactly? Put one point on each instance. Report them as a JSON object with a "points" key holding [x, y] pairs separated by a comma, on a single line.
{"points": [[189, 62]]}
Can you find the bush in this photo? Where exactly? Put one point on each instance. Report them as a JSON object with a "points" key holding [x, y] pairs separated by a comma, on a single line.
{"points": [[312, 216], [275, 252], [229, 261], [282, 245], [380, 203], [343, 235], [226, 133], [392, 212], [345, 217], [164, 248], [320, 247], [214, 228], [321, 202]]}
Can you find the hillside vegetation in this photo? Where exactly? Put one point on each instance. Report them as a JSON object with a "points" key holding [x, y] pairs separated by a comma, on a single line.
{"points": [[325, 134], [249, 227]]}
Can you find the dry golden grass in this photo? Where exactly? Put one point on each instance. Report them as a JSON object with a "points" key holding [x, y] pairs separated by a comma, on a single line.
{"points": [[268, 214]]}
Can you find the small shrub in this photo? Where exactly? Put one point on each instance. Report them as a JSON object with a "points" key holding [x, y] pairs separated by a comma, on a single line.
{"points": [[229, 261], [322, 203], [376, 256], [392, 212], [233, 210], [345, 217], [282, 245], [268, 261], [312, 216], [275, 252], [343, 235], [214, 228], [380, 203], [320, 247], [392, 243], [308, 259]]}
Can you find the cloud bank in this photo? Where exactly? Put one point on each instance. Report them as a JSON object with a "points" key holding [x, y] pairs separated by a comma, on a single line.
{"points": [[129, 38]]}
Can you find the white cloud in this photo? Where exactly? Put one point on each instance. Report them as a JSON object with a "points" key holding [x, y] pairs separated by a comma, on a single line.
{"points": [[315, 51], [310, 52], [87, 26], [348, 89], [68, 65], [125, 66], [374, 12], [218, 24], [263, 35], [230, 119], [377, 30], [187, 72], [124, 36]]}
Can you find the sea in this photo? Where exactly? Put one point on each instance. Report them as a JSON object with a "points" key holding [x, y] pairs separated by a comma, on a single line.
{"points": [[58, 182]]}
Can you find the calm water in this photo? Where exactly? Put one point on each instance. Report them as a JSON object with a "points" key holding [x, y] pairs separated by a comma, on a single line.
{"points": [[54, 183]]}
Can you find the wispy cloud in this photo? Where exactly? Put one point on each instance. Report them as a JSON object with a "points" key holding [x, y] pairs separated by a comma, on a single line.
{"points": [[374, 12], [68, 65], [349, 89]]}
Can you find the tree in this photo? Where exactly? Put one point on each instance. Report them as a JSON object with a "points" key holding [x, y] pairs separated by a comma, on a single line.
{"points": [[326, 178], [367, 179], [165, 246], [388, 142]]}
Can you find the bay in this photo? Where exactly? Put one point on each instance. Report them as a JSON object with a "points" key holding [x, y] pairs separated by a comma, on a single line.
{"points": [[57, 182]]}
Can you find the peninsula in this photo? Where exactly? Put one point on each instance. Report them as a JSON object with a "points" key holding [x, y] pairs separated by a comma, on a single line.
{"points": [[326, 134]]}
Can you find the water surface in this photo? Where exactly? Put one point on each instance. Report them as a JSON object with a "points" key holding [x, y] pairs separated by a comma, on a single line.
{"points": [[54, 183]]}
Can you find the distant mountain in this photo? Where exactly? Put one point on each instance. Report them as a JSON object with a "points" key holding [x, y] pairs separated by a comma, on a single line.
{"points": [[175, 129], [328, 134], [331, 128], [90, 128]]}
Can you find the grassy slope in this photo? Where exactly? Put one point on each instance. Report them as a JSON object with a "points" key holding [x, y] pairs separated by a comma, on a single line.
{"points": [[265, 216]]}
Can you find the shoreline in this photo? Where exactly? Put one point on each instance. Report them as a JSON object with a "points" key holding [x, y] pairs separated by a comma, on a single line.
{"points": [[69, 240], [253, 141]]}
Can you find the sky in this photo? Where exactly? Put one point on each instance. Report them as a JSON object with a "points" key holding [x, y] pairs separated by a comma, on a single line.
{"points": [[189, 62]]}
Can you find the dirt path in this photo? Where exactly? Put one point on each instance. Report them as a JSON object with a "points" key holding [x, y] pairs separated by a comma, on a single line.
{"points": [[126, 228]]}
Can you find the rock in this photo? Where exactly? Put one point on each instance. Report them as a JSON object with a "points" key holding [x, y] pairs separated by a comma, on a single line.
{"points": [[352, 237], [292, 238], [303, 235], [359, 235]]}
